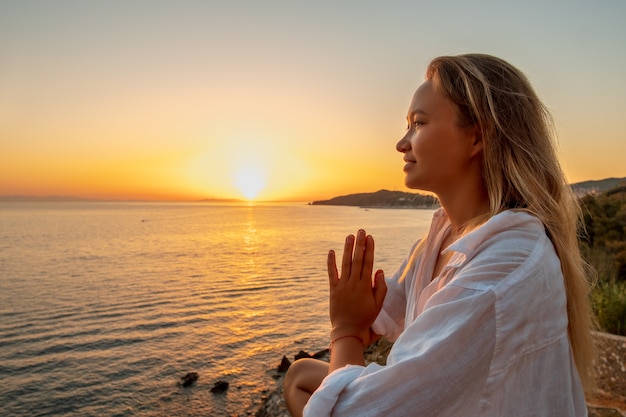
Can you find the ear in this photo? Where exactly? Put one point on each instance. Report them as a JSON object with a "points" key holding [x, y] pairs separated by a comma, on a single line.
{"points": [[475, 141]]}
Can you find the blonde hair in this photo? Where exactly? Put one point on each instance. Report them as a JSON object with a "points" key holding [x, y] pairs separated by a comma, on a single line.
{"points": [[521, 170]]}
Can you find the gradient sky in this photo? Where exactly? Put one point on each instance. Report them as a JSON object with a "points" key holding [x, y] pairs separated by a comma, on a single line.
{"points": [[177, 99]]}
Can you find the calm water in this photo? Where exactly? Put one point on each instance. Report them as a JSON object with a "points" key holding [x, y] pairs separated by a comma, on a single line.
{"points": [[104, 306]]}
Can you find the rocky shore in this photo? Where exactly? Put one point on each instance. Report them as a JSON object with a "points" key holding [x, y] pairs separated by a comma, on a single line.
{"points": [[273, 405], [608, 401]]}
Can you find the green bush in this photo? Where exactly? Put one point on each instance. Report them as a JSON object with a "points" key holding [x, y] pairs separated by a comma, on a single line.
{"points": [[603, 245], [605, 233], [609, 305]]}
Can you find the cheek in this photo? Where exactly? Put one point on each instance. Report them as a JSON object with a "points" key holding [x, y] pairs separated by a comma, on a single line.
{"points": [[436, 149], [427, 147]]}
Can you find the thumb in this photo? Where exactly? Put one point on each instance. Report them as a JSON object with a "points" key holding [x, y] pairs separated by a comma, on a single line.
{"points": [[380, 288]]}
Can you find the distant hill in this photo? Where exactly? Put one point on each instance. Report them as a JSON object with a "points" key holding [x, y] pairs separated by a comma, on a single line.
{"points": [[598, 186], [401, 199], [382, 198]]}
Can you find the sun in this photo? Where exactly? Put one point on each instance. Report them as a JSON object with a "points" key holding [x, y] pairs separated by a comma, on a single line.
{"points": [[250, 182]]}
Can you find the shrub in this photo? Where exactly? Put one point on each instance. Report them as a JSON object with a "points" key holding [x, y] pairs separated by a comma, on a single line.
{"points": [[609, 304]]}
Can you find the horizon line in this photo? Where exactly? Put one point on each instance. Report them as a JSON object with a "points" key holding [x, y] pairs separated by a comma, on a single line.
{"points": [[68, 198]]}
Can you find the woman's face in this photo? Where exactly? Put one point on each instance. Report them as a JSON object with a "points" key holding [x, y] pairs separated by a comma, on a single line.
{"points": [[438, 153]]}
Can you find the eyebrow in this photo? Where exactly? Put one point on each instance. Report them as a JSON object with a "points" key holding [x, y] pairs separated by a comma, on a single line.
{"points": [[415, 112]]}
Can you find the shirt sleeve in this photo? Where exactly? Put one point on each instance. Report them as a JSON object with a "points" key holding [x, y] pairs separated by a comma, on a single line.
{"points": [[436, 367], [390, 320]]}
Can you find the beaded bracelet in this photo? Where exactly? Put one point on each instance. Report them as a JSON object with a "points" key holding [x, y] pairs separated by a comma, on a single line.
{"points": [[332, 342]]}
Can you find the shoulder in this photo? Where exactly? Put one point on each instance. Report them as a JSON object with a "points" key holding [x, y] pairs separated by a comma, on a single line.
{"points": [[508, 233], [514, 228], [505, 249]]}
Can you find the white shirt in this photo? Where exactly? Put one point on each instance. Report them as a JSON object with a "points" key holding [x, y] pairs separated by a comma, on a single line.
{"points": [[487, 337]]}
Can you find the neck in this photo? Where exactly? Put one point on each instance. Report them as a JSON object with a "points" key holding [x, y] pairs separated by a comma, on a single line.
{"points": [[464, 204]]}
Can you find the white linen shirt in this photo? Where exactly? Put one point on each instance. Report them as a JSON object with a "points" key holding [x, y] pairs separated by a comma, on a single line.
{"points": [[487, 337]]}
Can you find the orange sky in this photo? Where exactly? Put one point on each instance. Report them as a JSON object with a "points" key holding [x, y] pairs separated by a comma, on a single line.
{"points": [[295, 101]]}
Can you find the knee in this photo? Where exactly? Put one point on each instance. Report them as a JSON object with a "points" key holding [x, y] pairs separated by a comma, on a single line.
{"points": [[296, 373], [305, 375], [302, 379]]}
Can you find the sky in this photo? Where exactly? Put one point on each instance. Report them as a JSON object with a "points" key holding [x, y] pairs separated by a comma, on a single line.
{"points": [[277, 100]]}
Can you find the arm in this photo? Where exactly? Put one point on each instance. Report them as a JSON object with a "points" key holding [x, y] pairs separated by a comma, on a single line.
{"points": [[437, 367]]}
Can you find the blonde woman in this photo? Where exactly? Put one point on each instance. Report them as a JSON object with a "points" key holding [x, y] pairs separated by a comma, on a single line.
{"points": [[489, 313]]}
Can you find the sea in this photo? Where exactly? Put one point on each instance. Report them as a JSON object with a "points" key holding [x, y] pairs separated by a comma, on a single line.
{"points": [[104, 306]]}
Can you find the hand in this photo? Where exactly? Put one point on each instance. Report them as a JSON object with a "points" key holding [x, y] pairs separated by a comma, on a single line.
{"points": [[354, 301]]}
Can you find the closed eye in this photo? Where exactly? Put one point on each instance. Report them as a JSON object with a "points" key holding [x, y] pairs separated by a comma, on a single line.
{"points": [[415, 123]]}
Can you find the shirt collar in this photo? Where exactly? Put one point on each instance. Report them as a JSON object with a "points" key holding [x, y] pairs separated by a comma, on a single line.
{"points": [[467, 245]]}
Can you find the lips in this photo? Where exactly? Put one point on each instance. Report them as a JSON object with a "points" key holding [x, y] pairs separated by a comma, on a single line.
{"points": [[408, 164]]}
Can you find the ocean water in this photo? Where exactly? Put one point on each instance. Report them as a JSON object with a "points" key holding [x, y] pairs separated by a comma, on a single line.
{"points": [[105, 306]]}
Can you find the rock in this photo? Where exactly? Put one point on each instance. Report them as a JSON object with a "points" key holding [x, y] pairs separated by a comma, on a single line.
{"points": [[273, 405], [318, 355], [321, 354], [219, 387], [604, 412], [611, 359], [188, 379], [303, 355], [284, 365]]}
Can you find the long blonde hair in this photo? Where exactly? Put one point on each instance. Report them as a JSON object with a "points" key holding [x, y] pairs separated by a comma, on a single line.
{"points": [[521, 170]]}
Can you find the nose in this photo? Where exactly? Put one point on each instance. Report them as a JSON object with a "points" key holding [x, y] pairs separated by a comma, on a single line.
{"points": [[404, 145]]}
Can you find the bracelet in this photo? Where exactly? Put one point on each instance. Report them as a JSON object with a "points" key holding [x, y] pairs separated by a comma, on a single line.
{"points": [[332, 342]]}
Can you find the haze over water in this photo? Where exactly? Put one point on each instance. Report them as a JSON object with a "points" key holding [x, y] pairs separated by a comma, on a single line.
{"points": [[104, 306]]}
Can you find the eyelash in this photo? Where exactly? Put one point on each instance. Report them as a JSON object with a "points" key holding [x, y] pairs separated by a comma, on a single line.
{"points": [[415, 123]]}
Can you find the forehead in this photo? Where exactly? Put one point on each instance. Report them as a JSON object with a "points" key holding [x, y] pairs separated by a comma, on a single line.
{"points": [[427, 99]]}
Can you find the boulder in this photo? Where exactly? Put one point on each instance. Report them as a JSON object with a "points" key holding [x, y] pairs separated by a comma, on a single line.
{"points": [[302, 355], [284, 365], [188, 379], [219, 387]]}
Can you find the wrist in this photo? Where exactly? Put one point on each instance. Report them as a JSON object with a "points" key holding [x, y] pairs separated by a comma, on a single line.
{"points": [[341, 332], [345, 338], [346, 350]]}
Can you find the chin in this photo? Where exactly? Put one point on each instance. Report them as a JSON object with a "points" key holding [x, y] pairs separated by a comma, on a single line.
{"points": [[416, 188], [415, 185], [412, 183]]}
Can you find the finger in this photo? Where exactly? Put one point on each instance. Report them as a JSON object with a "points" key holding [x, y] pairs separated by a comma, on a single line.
{"points": [[357, 260], [333, 275], [368, 260], [346, 262], [380, 288]]}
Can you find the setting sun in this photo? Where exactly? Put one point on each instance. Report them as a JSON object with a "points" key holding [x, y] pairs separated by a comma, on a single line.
{"points": [[250, 182], [229, 103]]}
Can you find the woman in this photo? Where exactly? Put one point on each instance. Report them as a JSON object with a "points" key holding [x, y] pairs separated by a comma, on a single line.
{"points": [[489, 313]]}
